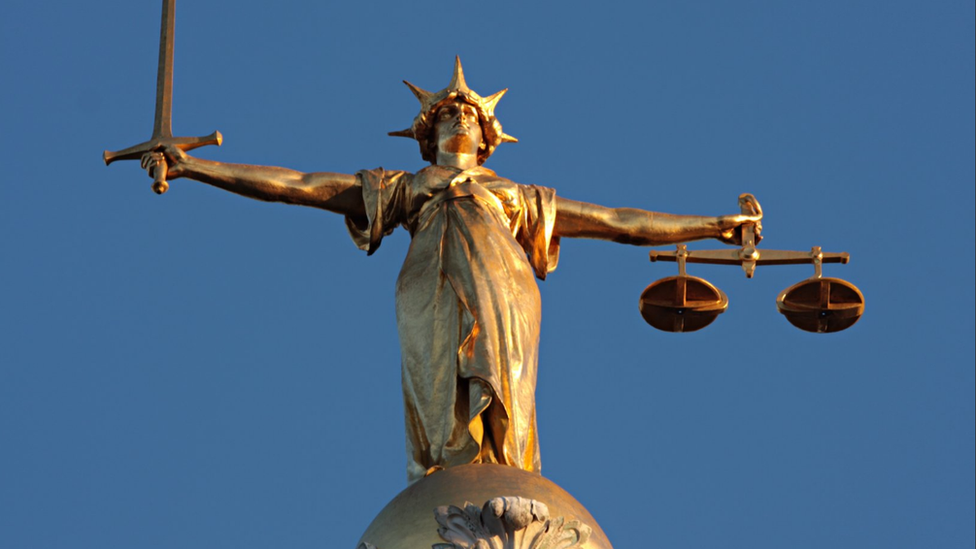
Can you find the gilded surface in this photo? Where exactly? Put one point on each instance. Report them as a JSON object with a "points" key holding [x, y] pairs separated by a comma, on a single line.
{"points": [[468, 309], [484, 505]]}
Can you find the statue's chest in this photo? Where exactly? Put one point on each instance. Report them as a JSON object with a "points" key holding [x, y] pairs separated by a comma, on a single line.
{"points": [[435, 185]]}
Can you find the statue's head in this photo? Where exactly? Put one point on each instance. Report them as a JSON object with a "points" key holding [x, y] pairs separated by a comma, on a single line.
{"points": [[460, 102]]}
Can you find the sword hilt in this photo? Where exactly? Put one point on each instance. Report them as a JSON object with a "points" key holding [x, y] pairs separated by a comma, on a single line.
{"points": [[159, 169]]}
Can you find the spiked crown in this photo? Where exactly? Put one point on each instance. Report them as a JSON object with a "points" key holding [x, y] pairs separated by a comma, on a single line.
{"points": [[422, 128]]}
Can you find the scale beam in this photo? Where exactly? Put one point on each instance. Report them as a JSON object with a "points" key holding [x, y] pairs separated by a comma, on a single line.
{"points": [[765, 257]]}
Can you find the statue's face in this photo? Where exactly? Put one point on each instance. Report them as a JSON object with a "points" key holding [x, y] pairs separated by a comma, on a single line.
{"points": [[457, 129]]}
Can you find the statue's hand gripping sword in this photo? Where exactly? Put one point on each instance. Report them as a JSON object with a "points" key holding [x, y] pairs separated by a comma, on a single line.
{"points": [[162, 134]]}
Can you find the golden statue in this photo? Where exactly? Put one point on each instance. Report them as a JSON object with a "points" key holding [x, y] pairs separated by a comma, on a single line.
{"points": [[468, 308]]}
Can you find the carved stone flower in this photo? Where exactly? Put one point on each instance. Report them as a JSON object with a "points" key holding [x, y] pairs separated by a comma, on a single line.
{"points": [[507, 523]]}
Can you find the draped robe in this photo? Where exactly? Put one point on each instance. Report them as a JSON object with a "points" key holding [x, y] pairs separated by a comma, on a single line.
{"points": [[468, 309]]}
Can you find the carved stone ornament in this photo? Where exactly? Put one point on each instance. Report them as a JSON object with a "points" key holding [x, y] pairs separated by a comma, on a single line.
{"points": [[507, 523], [504, 523]]}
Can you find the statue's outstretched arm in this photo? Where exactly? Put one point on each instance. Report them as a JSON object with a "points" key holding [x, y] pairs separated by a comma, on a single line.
{"points": [[643, 228], [336, 192]]}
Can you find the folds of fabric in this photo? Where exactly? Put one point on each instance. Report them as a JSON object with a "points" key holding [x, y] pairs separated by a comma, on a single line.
{"points": [[468, 310]]}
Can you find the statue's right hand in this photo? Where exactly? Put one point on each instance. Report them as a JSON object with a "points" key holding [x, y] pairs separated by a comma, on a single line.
{"points": [[163, 164], [158, 168], [176, 160], [151, 160]]}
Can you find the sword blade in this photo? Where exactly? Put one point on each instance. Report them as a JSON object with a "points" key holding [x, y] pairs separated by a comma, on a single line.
{"points": [[163, 124]]}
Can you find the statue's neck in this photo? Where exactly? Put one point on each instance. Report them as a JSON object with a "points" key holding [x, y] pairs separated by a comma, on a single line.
{"points": [[462, 161]]}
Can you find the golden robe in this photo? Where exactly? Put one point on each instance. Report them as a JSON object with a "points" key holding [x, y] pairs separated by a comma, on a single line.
{"points": [[468, 309]]}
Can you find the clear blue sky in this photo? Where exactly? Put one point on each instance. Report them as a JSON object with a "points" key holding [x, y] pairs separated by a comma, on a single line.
{"points": [[199, 370]]}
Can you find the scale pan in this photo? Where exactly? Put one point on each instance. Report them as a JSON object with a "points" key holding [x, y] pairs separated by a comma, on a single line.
{"points": [[821, 305], [682, 303]]}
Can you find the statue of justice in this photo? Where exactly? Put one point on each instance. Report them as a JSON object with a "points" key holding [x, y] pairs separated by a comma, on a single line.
{"points": [[467, 303]]}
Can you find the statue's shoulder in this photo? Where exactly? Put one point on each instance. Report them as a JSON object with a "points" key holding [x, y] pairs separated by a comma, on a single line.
{"points": [[382, 176]]}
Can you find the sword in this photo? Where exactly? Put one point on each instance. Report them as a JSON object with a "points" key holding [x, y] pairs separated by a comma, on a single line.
{"points": [[162, 134]]}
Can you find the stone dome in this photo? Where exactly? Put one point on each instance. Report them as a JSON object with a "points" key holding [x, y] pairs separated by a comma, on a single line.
{"points": [[484, 505]]}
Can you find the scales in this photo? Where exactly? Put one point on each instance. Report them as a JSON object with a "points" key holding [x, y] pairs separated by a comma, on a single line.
{"points": [[686, 303]]}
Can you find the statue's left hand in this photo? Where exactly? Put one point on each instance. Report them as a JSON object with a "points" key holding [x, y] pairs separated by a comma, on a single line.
{"points": [[730, 227]]}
